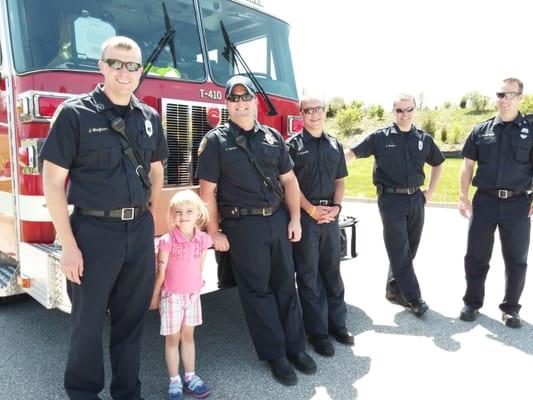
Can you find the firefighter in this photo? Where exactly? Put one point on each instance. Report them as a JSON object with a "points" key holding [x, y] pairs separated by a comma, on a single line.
{"points": [[242, 168], [502, 148], [400, 151], [320, 167], [108, 247]]}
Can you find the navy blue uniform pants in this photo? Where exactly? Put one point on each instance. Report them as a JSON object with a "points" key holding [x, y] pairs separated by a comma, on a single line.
{"points": [[118, 276], [402, 216], [320, 286], [261, 256], [511, 218]]}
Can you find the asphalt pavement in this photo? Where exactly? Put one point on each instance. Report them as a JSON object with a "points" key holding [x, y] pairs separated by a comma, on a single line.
{"points": [[395, 356]]}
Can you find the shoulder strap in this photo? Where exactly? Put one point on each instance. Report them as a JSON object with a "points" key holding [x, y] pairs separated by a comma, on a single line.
{"points": [[240, 141], [119, 127]]}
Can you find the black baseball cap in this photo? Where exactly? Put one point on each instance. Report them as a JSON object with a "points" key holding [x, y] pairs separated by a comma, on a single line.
{"points": [[239, 80]]}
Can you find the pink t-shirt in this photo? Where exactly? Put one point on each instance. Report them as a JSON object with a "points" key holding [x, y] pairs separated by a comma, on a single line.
{"points": [[183, 274]]}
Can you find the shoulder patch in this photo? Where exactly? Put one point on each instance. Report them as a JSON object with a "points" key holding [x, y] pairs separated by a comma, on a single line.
{"points": [[202, 145]]}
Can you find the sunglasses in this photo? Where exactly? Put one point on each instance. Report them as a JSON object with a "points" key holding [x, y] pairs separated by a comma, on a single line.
{"points": [[312, 110], [234, 98], [117, 65], [404, 110], [507, 95]]}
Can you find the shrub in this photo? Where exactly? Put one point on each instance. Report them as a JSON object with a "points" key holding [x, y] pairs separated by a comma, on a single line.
{"points": [[527, 104], [334, 105], [457, 135], [429, 124], [463, 102], [447, 105], [444, 135], [376, 111], [348, 118]]}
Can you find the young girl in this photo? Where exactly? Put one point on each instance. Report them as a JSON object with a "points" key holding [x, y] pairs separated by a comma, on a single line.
{"points": [[177, 289]]}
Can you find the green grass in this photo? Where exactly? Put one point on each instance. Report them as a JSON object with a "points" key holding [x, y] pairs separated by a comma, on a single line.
{"points": [[359, 180]]}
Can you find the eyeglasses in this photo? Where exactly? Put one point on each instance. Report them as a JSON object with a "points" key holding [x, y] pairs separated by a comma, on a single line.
{"points": [[404, 110], [117, 65], [234, 98], [507, 95], [312, 110]]}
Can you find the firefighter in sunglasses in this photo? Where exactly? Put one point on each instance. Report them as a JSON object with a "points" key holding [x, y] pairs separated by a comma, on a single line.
{"points": [[107, 243], [400, 152], [502, 148]]}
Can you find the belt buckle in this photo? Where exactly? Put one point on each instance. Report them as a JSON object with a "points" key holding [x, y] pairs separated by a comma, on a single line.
{"points": [[267, 211], [503, 194], [323, 202], [411, 190], [127, 214]]}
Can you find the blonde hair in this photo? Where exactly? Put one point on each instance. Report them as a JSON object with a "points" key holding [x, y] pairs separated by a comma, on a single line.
{"points": [[404, 97], [188, 197], [121, 42]]}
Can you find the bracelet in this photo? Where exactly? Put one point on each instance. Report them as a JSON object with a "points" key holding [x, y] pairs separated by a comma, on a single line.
{"points": [[313, 209], [338, 205]]}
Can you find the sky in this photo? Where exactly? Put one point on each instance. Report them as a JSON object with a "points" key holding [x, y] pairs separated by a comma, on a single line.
{"points": [[373, 50]]}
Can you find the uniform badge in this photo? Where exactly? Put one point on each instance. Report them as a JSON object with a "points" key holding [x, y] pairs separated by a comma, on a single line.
{"points": [[420, 145], [202, 145], [523, 136], [269, 138], [524, 130], [148, 127]]}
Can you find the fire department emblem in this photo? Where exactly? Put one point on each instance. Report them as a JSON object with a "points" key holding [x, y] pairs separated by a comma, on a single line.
{"points": [[202, 145], [213, 117], [148, 128], [270, 138]]}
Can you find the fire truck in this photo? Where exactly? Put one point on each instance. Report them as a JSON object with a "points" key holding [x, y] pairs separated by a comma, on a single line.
{"points": [[49, 53]]}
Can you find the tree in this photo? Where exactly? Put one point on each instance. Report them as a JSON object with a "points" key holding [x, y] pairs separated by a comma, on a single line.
{"points": [[421, 100], [478, 101], [463, 102], [334, 105]]}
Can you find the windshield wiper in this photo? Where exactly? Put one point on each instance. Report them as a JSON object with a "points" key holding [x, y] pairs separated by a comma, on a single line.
{"points": [[232, 54], [167, 38]]}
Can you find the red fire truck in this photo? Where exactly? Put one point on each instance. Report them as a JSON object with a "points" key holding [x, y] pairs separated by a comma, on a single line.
{"points": [[49, 52]]}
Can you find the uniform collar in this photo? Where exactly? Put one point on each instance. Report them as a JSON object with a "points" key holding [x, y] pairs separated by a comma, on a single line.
{"points": [[103, 103], [236, 128], [519, 120], [178, 236], [396, 129], [307, 137]]}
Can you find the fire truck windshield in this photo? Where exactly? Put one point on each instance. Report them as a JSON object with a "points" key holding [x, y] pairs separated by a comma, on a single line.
{"points": [[67, 35]]}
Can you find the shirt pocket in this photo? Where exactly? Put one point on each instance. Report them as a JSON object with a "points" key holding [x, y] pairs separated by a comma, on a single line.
{"points": [[269, 155], [147, 148], [100, 150], [523, 149]]}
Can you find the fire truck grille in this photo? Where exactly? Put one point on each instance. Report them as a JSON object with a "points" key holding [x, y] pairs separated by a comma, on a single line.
{"points": [[186, 125]]}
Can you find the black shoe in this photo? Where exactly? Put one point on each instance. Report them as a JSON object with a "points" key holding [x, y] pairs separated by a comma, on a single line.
{"points": [[468, 313], [396, 298], [418, 307], [512, 319], [322, 345], [342, 335], [303, 362], [283, 371]]}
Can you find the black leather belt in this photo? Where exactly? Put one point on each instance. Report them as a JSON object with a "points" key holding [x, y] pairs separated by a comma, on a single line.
{"points": [[236, 212], [385, 189], [502, 193], [124, 214], [321, 202]]}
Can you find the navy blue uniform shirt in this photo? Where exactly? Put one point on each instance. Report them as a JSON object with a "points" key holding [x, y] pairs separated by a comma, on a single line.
{"points": [[318, 163], [503, 152], [221, 161], [399, 156], [82, 141]]}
